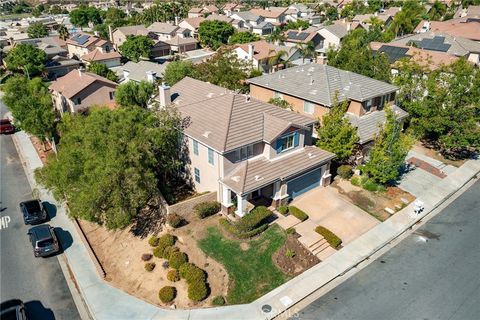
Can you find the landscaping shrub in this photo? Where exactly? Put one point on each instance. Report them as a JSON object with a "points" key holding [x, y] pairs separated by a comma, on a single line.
{"points": [[146, 256], [299, 214], [167, 294], [355, 181], [290, 253], [197, 291], [206, 209], [191, 273], [370, 185], [168, 251], [283, 210], [232, 229], [149, 266], [158, 252], [218, 301], [164, 241], [290, 230], [173, 275], [253, 219], [153, 241], [177, 259], [165, 265], [174, 220], [345, 171], [331, 238]]}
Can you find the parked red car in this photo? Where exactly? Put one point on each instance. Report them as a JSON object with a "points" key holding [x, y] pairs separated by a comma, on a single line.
{"points": [[6, 126]]}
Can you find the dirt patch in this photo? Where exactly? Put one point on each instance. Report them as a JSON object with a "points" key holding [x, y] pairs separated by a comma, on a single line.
{"points": [[43, 150], [422, 149], [120, 254], [244, 246], [302, 258]]}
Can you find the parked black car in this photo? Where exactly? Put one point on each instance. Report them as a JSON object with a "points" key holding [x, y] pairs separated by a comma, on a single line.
{"points": [[33, 212], [12, 310], [44, 240]]}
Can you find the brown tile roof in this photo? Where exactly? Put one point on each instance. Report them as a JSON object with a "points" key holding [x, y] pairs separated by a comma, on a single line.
{"points": [[76, 81], [163, 27], [273, 13], [292, 34], [220, 18], [195, 10], [194, 22], [254, 174], [263, 50], [177, 40], [457, 27], [90, 41], [133, 30], [98, 55]]}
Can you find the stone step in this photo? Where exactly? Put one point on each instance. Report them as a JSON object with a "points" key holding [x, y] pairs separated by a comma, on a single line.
{"points": [[326, 253], [317, 244], [321, 248], [309, 240]]}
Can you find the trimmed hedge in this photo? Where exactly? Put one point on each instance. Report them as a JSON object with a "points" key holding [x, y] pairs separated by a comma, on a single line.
{"points": [[153, 241], [299, 214], [168, 251], [191, 273], [174, 220], [253, 220], [218, 301], [331, 237], [283, 210], [164, 241], [149, 266], [177, 259], [290, 230], [173, 275], [208, 208], [345, 171], [355, 181], [197, 291], [231, 228], [167, 294]]}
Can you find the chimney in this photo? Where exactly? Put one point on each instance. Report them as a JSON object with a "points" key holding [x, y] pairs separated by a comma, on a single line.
{"points": [[96, 34], [177, 20], [80, 71], [376, 14], [250, 51], [164, 95], [151, 76], [110, 33], [126, 73], [349, 26]]}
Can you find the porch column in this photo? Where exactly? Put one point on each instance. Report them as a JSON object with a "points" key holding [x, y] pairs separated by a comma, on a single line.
{"points": [[226, 196], [280, 195], [241, 205]]}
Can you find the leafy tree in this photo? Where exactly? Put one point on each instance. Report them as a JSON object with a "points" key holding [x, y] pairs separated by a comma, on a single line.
{"points": [[336, 134], [83, 15], [214, 33], [388, 152], [27, 59], [243, 37], [437, 11], [295, 25], [63, 32], [276, 36], [306, 50], [31, 105], [331, 14], [111, 163], [408, 18], [444, 105], [277, 59], [102, 70], [37, 30], [56, 9], [136, 47], [279, 102], [115, 17], [134, 94], [177, 70]]}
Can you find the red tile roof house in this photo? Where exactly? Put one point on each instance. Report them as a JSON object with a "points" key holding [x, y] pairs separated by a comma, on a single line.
{"points": [[92, 49], [79, 90], [245, 149]]}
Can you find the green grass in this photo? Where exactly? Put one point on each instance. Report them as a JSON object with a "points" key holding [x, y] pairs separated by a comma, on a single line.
{"points": [[252, 272]]}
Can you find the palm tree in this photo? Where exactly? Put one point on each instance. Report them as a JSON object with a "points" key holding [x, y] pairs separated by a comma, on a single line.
{"points": [[276, 36], [375, 22], [306, 50], [63, 32], [277, 59]]}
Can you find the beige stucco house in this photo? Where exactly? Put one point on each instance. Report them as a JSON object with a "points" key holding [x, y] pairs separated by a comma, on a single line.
{"points": [[244, 149]]}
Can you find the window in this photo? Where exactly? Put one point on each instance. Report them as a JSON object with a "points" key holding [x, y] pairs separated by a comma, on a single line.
{"points": [[107, 48], [277, 95], [308, 107], [210, 156], [368, 105], [197, 175], [287, 142], [195, 147], [244, 153], [79, 101], [112, 95]]}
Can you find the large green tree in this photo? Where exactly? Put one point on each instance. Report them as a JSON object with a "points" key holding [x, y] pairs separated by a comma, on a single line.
{"points": [[63, 32], [336, 134], [177, 70], [388, 153], [37, 30], [214, 33], [111, 163], [408, 18], [134, 94], [83, 15], [26, 58], [31, 105], [243, 37], [136, 47], [102, 70]]}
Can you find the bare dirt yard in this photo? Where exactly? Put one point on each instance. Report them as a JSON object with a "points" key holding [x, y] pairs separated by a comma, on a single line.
{"points": [[422, 149], [120, 254], [373, 202], [293, 258]]}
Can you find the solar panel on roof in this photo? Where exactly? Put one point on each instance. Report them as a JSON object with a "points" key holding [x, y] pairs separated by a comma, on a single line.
{"points": [[82, 39], [435, 44], [393, 53]]}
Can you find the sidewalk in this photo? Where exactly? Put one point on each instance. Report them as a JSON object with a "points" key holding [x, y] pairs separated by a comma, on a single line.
{"points": [[107, 303]]}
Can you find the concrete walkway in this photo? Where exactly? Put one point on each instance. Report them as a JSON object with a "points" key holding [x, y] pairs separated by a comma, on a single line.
{"points": [[107, 302]]}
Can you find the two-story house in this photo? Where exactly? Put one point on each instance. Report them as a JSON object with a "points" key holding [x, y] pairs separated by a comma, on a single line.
{"points": [[274, 15], [79, 90], [313, 89], [253, 22], [90, 48], [245, 149]]}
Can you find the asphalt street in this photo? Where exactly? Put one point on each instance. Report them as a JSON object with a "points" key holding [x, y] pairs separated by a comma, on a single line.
{"points": [[432, 274], [39, 282]]}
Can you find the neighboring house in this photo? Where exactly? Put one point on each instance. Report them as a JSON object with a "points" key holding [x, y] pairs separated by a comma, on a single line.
{"points": [[198, 56], [110, 58], [442, 42], [120, 34], [468, 12], [166, 31], [192, 24], [52, 46], [79, 44], [196, 12], [260, 52], [386, 16], [299, 11], [313, 89], [263, 28], [332, 36], [140, 71], [274, 15], [294, 37], [59, 66], [237, 24], [79, 90], [231, 8], [466, 28], [180, 44], [249, 19], [244, 149]]}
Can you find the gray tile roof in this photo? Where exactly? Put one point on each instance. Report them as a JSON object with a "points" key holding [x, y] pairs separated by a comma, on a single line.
{"points": [[256, 173], [225, 121], [247, 16], [338, 30], [369, 125], [327, 82], [162, 27], [138, 70]]}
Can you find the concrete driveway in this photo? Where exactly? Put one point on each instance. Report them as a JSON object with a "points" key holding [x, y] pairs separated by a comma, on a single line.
{"points": [[326, 207]]}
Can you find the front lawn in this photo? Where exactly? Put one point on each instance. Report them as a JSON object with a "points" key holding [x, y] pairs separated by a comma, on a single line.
{"points": [[249, 263]]}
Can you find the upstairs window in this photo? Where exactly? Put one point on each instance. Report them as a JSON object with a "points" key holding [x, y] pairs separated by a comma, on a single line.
{"points": [[243, 153], [78, 101], [210, 157], [368, 105], [112, 95], [197, 175], [195, 147], [308, 107], [287, 142]]}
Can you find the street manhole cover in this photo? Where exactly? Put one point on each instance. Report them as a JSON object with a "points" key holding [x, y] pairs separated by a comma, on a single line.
{"points": [[266, 308]]}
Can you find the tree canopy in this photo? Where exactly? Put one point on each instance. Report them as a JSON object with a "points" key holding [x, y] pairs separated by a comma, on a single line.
{"points": [[214, 33], [295, 25], [31, 105], [37, 30], [177, 70], [84, 15], [134, 93], [102, 70], [111, 163], [243, 37], [63, 32], [26, 58], [136, 47]]}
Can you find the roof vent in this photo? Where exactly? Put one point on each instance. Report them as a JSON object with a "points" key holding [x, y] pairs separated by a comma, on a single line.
{"points": [[283, 76], [311, 155], [311, 80], [210, 94], [311, 69], [206, 134], [236, 178], [314, 91], [247, 98], [258, 178]]}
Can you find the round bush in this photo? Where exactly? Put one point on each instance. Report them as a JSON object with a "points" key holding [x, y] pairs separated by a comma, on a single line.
{"points": [[206, 209], [218, 301], [173, 275], [283, 210], [149, 266], [355, 181], [174, 220], [177, 259], [146, 256], [164, 241], [168, 251], [153, 241], [167, 294], [197, 291], [345, 171], [191, 273]]}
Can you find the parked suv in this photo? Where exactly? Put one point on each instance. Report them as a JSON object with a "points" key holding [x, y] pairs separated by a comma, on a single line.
{"points": [[6, 126], [12, 310], [44, 240], [33, 211]]}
